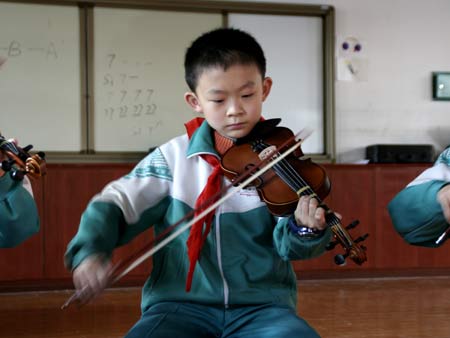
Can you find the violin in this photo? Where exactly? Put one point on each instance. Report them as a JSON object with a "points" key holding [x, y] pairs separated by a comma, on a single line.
{"points": [[20, 162], [282, 186]]}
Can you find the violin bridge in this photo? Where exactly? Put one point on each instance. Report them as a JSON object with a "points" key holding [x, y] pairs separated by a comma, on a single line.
{"points": [[268, 152]]}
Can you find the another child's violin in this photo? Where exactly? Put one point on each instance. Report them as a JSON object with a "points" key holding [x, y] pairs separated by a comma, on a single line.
{"points": [[282, 186], [20, 162]]}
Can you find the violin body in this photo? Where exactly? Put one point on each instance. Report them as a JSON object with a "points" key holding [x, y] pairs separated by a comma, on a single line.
{"points": [[280, 197]]}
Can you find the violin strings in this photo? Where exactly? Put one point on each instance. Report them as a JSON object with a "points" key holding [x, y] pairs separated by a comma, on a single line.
{"points": [[295, 181], [285, 170]]}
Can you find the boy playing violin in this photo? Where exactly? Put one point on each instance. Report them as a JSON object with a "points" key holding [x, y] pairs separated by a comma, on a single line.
{"points": [[19, 217], [230, 275]]}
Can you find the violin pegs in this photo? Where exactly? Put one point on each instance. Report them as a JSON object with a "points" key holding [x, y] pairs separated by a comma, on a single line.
{"points": [[340, 259], [331, 245], [27, 148], [361, 238], [17, 175], [352, 225]]}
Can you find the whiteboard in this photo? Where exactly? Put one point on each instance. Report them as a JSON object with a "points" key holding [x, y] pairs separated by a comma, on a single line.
{"points": [[118, 86], [139, 75], [293, 48], [40, 75]]}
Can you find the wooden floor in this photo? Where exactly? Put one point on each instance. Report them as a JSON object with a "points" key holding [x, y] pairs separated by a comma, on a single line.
{"points": [[354, 308]]}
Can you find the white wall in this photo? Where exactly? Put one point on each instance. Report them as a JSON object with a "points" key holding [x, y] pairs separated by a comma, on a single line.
{"points": [[406, 41]]}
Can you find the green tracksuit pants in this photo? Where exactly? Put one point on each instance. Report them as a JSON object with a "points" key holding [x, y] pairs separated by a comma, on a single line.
{"points": [[188, 320]]}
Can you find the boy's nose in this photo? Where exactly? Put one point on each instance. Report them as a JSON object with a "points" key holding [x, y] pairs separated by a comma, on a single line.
{"points": [[235, 108]]}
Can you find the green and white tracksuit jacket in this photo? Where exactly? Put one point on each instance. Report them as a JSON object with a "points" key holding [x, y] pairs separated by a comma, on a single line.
{"points": [[19, 217], [415, 212], [245, 259]]}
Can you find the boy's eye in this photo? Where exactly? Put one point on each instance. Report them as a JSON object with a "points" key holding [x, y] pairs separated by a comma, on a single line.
{"points": [[217, 101], [248, 95]]}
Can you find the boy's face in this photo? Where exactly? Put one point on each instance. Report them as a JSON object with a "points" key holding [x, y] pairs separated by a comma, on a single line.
{"points": [[230, 100]]}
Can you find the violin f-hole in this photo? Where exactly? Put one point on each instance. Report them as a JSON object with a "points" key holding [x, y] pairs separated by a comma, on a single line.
{"points": [[251, 168]]}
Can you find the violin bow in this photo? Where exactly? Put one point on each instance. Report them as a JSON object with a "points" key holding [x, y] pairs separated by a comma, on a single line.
{"points": [[124, 267]]}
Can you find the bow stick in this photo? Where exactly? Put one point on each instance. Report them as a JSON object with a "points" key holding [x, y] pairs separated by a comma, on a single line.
{"points": [[122, 269]]}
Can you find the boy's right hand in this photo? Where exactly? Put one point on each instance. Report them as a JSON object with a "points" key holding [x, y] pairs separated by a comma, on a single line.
{"points": [[91, 277]]}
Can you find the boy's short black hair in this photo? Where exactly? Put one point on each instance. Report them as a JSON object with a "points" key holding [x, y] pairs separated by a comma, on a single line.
{"points": [[222, 47]]}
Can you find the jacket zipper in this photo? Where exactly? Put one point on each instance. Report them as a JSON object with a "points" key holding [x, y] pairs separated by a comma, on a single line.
{"points": [[219, 260]]}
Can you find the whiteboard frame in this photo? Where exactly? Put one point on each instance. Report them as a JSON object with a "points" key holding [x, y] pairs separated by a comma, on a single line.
{"points": [[88, 154], [34, 132]]}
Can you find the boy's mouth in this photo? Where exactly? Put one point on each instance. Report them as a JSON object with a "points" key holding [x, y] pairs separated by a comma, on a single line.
{"points": [[236, 126]]}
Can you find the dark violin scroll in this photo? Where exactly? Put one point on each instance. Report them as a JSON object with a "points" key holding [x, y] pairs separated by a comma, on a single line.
{"points": [[19, 162], [282, 186], [357, 253]]}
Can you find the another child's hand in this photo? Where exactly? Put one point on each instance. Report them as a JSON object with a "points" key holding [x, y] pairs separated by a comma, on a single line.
{"points": [[91, 277], [4, 157], [309, 214], [443, 198]]}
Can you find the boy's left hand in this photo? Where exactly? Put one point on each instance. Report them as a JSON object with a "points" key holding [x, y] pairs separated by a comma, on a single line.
{"points": [[309, 214], [91, 277]]}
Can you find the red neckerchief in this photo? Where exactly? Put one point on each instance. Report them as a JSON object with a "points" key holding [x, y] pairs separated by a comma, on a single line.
{"points": [[197, 236]]}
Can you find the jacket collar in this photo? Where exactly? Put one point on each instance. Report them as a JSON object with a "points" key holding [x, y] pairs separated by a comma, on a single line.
{"points": [[201, 141]]}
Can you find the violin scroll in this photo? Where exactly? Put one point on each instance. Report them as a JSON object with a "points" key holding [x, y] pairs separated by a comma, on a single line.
{"points": [[19, 162], [355, 251]]}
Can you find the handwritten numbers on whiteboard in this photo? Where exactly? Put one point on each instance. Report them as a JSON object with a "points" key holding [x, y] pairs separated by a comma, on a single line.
{"points": [[124, 97]]}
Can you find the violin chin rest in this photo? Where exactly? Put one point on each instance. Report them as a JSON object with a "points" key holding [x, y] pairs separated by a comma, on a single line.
{"points": [[261, 129]]}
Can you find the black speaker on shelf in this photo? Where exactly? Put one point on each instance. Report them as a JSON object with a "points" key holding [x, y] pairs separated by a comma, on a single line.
{"points": [[400, 153]]}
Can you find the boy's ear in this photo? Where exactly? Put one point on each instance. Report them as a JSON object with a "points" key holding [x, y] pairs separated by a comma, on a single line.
{"points": [[267, 85], [192, 100]]}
